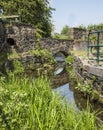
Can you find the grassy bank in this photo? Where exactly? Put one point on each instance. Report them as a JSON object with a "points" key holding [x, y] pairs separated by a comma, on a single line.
{"points": [[32, 105]]}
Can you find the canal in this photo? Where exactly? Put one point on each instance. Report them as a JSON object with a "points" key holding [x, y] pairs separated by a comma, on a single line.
{"points": [[60, 83]]}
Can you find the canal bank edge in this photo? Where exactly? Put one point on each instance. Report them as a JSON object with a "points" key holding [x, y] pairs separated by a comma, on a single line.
{"points": [[88, 78]]}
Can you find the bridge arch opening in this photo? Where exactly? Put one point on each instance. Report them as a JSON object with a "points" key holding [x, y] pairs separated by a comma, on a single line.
{"points": [[60, 56], [11, 41], [64, 53]]}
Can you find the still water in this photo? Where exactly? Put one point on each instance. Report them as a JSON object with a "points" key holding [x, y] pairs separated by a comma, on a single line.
{"points": [[61, 85], [66, 94]]}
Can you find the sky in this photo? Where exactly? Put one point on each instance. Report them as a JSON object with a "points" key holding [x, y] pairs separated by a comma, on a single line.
{"points": [[76, 12]]}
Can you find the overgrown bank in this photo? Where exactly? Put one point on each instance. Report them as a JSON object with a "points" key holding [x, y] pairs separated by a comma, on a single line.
{"points": [[83, 80], [32, 105]]}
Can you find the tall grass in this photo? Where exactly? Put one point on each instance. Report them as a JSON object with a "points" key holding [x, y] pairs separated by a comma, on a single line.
{"points": [[32, 105]]}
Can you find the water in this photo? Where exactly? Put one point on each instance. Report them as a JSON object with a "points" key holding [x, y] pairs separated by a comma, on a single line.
{"points": [[61, 81], [58, 71], [61, 85], [67, 94], [60, 59], [72, 96]]}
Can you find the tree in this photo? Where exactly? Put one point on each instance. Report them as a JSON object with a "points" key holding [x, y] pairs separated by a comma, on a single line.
{"points": [[95, 27], [35, 12], [82, 26], [65, 30]]}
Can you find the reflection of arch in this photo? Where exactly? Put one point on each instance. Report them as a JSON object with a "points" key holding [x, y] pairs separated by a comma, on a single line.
{"points": [[10, 41], [60, 56]]}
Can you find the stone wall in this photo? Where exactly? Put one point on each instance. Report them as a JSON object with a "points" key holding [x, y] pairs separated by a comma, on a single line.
{"points": [[52, 45], [56, 45], [1, 33], [21, 35], [89, 72], [78, 33], [79, 37], [24, 37], [80, 45], [20, 38]]}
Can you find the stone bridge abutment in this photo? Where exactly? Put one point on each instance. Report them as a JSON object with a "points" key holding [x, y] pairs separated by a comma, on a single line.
{"points": [[21, 38]]}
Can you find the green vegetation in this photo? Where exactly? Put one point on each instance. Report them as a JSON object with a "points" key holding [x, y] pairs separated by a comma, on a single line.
{"points": [[69, 60], [92, 26], [32, 105], [65, 32], [13, 55], [95, 27], [35, 12], [44, 53], [60, 36], [85, 87], [18, 67], [82, 54], [72, 77]]}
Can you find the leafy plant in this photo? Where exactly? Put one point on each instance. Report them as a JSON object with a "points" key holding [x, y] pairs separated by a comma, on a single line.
{"points": [[86, 88], [32, 104], [44, 54], [18, 67], [69, 60], [34, 12]]}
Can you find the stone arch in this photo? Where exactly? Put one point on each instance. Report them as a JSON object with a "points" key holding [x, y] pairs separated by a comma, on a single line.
{"points": [[62, 53], [60, 56], [11, 41]]}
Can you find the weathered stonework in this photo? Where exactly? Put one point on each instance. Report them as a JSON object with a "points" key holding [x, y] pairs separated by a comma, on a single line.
{"points": [[19, 34], [21, 38], [77, 34], [87, 72], [56, 45], [80, 46]]}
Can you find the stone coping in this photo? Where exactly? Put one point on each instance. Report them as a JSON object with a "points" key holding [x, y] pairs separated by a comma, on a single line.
{"points": [[92, 68]]}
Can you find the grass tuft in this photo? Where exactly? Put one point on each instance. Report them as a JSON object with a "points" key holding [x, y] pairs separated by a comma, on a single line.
{"points": [[32, 105]]}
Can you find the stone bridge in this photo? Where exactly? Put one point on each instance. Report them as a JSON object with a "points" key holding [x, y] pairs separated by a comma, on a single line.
{"points": [[21, 38], [24, 36], [56, 45]]}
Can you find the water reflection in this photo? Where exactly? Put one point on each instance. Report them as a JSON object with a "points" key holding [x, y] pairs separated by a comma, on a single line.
{"points": [[58, 71], [60, 57], [61, 85], [66, 93]]}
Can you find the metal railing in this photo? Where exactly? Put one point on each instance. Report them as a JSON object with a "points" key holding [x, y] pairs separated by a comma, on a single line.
{"points": [[95, 46]]}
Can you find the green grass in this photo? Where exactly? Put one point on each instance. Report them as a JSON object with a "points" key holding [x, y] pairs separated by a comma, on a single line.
{"points": [[32, 105]]}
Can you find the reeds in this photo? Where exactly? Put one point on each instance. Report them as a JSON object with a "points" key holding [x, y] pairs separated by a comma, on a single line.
{"points": [[32, 105]]}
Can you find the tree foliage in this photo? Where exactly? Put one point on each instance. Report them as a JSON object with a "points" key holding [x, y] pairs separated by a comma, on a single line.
{"points": [[65, 30], [82, 26], [95, 27], [35, 12]]}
